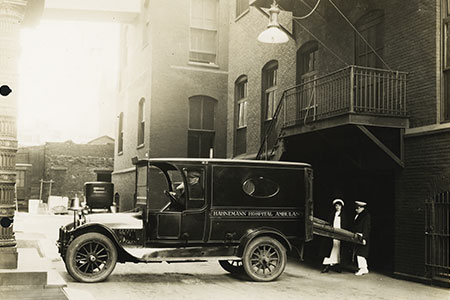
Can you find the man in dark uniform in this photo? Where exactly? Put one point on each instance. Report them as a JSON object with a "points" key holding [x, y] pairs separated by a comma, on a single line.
{"points": [[361, 226]]}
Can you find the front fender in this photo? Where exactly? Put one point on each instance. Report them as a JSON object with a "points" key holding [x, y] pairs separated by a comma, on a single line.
{"points": [[263, 231], [122, 254]]}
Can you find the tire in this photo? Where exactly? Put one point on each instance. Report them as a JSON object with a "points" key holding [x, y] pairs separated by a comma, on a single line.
{"points": [[264, 259], [232, 266], [91, 257]]}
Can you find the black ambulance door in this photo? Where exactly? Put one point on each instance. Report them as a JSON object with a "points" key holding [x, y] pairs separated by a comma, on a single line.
{"points": [[164, 215], [194, 216]]}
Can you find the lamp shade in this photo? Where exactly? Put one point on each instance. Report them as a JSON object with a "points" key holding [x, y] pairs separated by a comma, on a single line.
{"points": [[273, 35]]}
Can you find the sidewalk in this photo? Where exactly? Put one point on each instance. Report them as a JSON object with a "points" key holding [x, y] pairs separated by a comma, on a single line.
{"points": [[36, 236]]}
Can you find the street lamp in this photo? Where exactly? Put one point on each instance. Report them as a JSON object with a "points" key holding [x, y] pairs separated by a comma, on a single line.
{"points": [[273, 34]]}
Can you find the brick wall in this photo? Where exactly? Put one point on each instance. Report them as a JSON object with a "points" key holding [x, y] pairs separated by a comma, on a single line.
{"points": [[69, 165], [411, 44], [427, 173], [161, 73], [248, 57]]}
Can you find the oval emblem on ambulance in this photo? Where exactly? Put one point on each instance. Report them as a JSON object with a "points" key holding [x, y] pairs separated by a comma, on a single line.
{"points": [[260, 187]]}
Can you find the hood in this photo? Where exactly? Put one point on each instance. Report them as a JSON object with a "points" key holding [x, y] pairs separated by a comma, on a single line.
{"points": [[130, 220]]}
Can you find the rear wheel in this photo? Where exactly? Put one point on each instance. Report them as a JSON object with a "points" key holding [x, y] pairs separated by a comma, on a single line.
{"points": [[232, 266], [91, 257], [264, 259]]}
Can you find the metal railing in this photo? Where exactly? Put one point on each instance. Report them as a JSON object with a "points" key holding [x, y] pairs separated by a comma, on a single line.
{"points": [[437, 237], [353, 89]]}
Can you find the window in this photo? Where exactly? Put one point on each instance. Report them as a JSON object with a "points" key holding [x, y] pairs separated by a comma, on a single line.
{"points": [[141, 185], [241, 115], [241, 7], [20, 178], [203, 31], [306, 72], [371, 27], [445, 115], [195, 178], [307, 62], [201, 126], [141, 122], [269, 89], [120, 135], [260, 187]]}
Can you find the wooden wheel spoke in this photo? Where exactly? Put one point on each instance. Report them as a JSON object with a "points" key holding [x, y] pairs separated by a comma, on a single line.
{"points": [[95, 249], [98, 264], [86, 267], [84, 250], [100, 251]]}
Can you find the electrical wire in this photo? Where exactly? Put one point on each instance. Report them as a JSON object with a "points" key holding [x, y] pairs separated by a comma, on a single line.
{"points": [[315, 37], [323, 44], [310, 13], [360, 35]]}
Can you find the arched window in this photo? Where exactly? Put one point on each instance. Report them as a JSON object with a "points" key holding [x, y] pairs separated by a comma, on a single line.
{"points": [[306, 72], [269, 88], [269, 76], [240, 95], [307, 61], [371, 27], [120, 135], [201, 126], [141, 122]]}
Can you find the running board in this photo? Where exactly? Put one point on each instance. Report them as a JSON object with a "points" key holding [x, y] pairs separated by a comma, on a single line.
{"points": [[188, 254]]}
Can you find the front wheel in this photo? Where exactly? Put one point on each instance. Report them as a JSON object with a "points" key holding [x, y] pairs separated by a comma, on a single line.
{"points": [[232, 266], [264, 259], [91, 257]]}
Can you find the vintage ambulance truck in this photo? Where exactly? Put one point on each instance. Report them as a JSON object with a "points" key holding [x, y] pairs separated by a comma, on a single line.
{"points": [[245, 214]]}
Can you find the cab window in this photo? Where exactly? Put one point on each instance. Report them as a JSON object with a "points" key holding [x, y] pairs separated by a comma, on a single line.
{"points": [[195, 179], [157, 183], [141, 185]]}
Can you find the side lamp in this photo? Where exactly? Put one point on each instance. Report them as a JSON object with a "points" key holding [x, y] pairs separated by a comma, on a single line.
{"points": [[273, 34]]}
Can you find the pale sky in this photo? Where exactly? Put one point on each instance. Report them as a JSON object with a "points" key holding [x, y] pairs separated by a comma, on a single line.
{"points": [[61, 66]]}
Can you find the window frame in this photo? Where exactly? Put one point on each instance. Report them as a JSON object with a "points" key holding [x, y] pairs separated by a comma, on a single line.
{"points": [[141, 123], [445, 65], [373, 20], [204, 28], [268, 90], [120, 134], [201, 133], [241, 100]]}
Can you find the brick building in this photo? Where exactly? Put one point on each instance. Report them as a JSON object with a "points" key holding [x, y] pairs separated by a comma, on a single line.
{"points": [[372, 120], [66, 165], [368, 108], [172, 87]]}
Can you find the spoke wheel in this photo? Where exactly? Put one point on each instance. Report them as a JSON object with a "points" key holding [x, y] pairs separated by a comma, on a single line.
{"points": [[91, 257], [264, 259], [232, 266]]}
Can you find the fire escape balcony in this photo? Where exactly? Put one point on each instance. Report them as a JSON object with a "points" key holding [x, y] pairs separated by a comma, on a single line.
{"points": [[353, 95]]}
